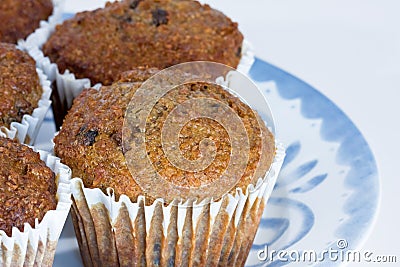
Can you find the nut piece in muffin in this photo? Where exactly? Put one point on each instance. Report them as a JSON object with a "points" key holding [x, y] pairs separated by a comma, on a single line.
{"points": [[20, 89], [101, 44], [27, 186], [90, 141], [21, 17]]}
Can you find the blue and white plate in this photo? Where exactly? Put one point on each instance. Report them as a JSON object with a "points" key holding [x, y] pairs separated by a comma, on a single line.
{"points": [[327, 194]]}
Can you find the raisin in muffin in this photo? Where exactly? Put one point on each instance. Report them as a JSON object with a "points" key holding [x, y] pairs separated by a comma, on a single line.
{"points": [[21, 17], [20, 88], [126, 34]]}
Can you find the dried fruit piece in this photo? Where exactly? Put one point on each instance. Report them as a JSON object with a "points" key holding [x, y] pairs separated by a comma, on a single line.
{"points": [[160, 16]]}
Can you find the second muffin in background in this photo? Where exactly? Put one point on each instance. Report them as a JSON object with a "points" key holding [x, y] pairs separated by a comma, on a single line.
{"points": [[19, 18], [24, 94], [20, 88], [101, 44]]}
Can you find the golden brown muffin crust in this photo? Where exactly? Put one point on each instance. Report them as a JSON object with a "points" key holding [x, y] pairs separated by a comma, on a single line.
{"points": [[20, 89], [124, 35], [27, 186], [90, 141], [21, 17], [139, 74]]}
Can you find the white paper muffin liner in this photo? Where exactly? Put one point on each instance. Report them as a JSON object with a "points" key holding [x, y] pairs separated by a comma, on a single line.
{"points": [[119, 233], [36, 246], [68, 86]]}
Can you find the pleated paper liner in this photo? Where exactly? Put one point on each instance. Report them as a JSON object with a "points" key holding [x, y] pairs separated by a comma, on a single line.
{"points": [[125, 233], [35, 246]]}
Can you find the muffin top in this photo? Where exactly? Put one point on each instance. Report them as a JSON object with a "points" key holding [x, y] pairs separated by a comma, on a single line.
{"points": [[20, 89], [126, 34], [21, 17], [91, 139], [27, 186]]}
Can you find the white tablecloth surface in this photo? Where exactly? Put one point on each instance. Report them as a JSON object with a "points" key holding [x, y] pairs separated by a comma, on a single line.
{"points": [[350, 51]]}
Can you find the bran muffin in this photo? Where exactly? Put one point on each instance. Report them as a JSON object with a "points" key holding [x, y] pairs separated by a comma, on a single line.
{"points": [[127, 34], [35, 199], [27, 185], [20, 88], [128, 226], [90, 141], [21, 17]]}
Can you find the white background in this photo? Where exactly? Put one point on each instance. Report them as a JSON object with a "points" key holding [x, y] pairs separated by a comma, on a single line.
{"points": [[350, 51]]}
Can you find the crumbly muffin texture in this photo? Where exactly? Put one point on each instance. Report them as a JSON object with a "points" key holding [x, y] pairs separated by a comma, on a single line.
{"points": [[139, 74], [101, 44], [90, 141], [20, 89], [21, 17], [27, 186]]}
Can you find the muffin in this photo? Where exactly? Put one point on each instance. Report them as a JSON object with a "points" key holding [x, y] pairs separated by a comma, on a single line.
{"points": [[28, 185], [21, 89], [35, 203], [90, 141], [20, 85], [96, 46], [21, 17], [101, 44], [121, 221]]}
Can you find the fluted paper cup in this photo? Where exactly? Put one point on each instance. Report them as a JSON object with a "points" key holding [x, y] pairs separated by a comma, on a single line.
{"points": [[126, 233]]}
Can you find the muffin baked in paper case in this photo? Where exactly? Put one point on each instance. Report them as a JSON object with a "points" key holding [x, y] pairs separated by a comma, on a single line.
{"points": [[27, 130], [113, 230], [120, 233], [36, 245]]}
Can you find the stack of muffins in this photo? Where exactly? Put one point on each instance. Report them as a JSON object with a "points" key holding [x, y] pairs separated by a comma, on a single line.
{"points": [[120, 218], [35, 193]]}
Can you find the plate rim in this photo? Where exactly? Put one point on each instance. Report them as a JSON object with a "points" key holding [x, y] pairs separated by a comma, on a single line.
{"points": [[258, 74]]}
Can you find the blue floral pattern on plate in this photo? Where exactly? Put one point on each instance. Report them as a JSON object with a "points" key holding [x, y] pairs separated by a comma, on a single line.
{"points": [[328, 188]]}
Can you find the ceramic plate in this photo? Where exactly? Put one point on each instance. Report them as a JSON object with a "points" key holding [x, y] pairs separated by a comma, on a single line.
{"points": [[327, 194]]}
